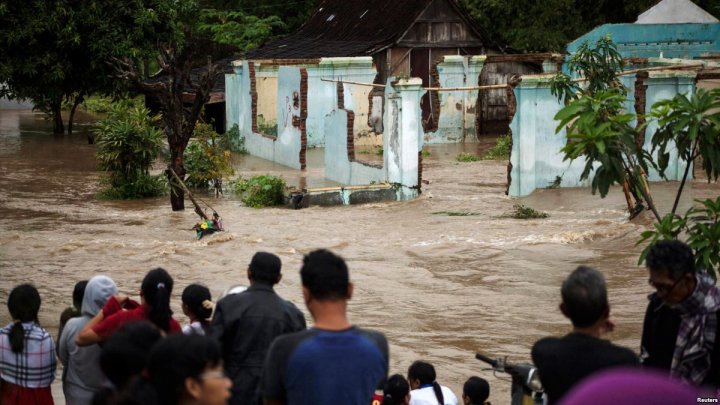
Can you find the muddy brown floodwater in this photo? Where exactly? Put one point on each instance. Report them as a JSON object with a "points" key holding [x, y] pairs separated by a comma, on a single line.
{"points": [[440, 287]]}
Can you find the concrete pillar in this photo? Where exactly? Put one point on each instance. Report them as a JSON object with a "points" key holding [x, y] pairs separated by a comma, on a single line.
{"points": [[404, 140]]}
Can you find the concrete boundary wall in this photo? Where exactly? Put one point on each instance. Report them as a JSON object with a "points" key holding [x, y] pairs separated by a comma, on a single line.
{"points": [[457, 119], [536, 160]]}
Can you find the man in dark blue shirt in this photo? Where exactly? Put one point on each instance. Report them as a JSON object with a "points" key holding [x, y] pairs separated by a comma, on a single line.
{"points": [[334, 362]]}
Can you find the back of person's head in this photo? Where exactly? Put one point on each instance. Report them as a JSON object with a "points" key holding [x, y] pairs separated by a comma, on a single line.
{"points": [[24, 305], [156, 289], [172, 362], [671, 256], [125, 353], [424, 373], [193, 297], [265, 268], [396, 390], [477, 390], [325, 275], [99, 289], [584, 296], [79, 293]]}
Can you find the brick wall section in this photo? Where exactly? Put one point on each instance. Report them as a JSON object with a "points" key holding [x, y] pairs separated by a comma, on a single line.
{"points": [[253, 96], [640, 93], [511, 109], [340, 95], [350, 135], [303, 116]]}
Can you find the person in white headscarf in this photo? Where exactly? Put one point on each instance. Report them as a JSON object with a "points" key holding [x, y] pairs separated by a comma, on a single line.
{"points": [[82, 376]]}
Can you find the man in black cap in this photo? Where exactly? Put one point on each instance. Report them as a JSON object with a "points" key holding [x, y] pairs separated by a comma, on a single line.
{"points": [[246, 324]]}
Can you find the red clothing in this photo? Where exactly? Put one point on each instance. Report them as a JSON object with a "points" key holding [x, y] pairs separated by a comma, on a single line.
{"points": [[115, 317], [12, 394]]}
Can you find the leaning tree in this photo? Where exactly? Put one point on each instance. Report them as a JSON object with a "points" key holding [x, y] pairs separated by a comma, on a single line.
{"points": [[176, 78]]}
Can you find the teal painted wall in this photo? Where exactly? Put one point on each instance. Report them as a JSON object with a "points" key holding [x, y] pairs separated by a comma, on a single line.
{"points": [[535, 157], [685, 41]]}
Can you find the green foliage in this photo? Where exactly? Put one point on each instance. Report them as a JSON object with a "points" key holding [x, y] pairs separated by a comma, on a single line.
{"points": [[207, 158], [58, 50], [521, 211], [425, 153], [467, 157], [690, 125], [128, 142], [700, 225], [268, 127], [260, 191], [236, 140], [598, 66], [142, 186], [239, 29], [501, 150]]}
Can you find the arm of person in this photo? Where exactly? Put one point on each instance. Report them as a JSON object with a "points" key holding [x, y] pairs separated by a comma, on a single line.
{"points": [[88, 335], [62, 350]]}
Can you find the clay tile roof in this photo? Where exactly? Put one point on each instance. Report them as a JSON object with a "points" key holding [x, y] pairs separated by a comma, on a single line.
{"points": [[347, 28]]}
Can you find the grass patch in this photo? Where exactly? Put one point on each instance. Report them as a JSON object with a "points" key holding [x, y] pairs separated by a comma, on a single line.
{"points": [[501, 150], [425, 153], [260, 191], [521, 211], [268, 127], [456, 213], [467, 157]]}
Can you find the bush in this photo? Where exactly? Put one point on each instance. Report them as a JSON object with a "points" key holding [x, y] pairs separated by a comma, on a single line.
{"points": [[260, 191], [128, 142], [501, 150], [236, 140], [521, 211], [467, 157], [207, 158]]}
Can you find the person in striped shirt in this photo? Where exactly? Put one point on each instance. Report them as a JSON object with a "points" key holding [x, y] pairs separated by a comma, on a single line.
{"points": [[27, 352]]}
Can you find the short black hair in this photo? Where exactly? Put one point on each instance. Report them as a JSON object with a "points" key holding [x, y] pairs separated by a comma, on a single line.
{"points": [[671, 256], [477, 389], [584, 294], [125, 353], [395, 390], [265, 267], [79, 293], [325, 275]]}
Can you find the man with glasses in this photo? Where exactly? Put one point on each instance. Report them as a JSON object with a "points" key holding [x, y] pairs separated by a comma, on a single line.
{"points": [[680, 331]]}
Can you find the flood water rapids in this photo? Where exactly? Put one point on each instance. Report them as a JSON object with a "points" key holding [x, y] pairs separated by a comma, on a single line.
{"points": [[439, 286]]}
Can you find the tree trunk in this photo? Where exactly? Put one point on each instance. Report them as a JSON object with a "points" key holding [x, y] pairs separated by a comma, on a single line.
{"points": [[78, 99], [58, 125], [177, 194]]}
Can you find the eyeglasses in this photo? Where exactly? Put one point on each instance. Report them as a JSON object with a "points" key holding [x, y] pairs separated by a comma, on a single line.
{"points": [[664, 289]]}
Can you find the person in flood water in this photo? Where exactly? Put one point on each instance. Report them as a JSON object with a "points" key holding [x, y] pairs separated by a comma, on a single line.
{"points": [[334, 362], [182, 369], [82, 377], [155, 294], [563, 362], [425, 388], [27, 352], [681, 330]]}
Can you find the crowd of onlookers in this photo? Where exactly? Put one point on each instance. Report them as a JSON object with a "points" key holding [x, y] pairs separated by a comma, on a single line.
{"points": [[254, 347]]}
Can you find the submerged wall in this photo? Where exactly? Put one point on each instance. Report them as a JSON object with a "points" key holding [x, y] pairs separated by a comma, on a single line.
{"points": [[458, 108], [536, 159]]}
